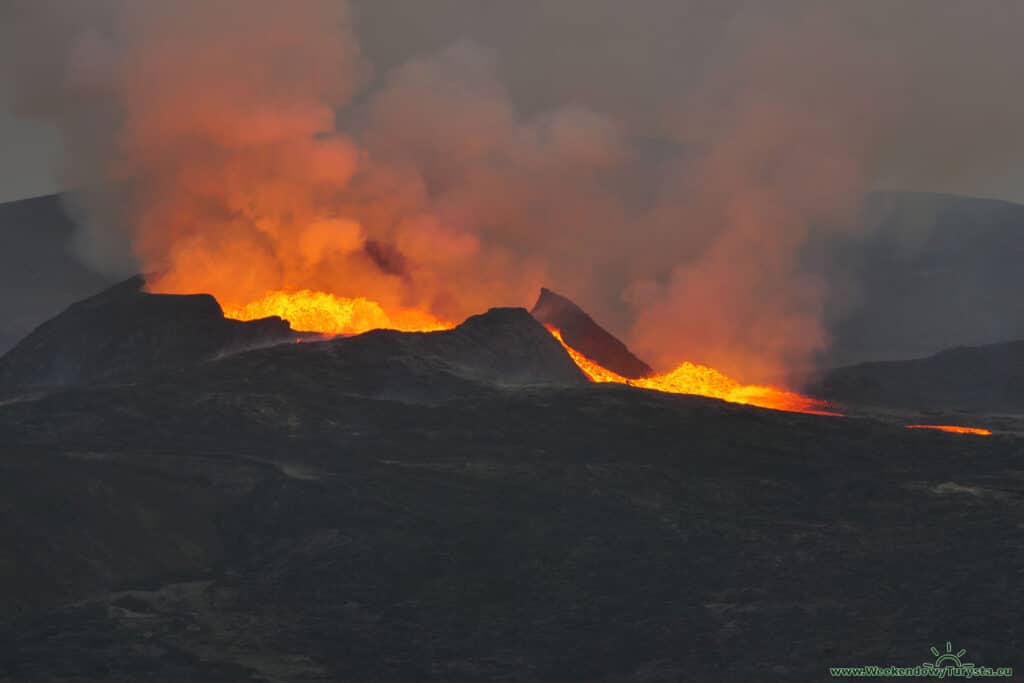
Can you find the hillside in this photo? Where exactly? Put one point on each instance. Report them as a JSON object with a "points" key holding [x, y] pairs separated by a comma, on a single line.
{"points": [[976, 379]]}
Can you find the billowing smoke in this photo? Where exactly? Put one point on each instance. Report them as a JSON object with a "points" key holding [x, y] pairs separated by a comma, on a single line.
{"points": [[777, 148], [241, 146]]}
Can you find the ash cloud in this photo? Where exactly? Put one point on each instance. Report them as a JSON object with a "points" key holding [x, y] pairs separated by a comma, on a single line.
{"points": [[665, 163]]}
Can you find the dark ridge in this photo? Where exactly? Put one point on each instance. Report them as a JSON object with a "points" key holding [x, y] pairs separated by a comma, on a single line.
{"points": [[124, 332], [582, 333], [976, 378], [39, 273], [504, 347], [925, 272]]}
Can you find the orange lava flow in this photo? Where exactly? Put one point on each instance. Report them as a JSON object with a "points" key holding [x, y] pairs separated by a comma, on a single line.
{"points": [[310, 311], [954, 429], [700, 380]]}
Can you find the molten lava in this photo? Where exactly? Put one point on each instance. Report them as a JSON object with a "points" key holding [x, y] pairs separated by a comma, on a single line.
{"points": [[954, 429], [311, 311], [326, 313], [701, 380]]}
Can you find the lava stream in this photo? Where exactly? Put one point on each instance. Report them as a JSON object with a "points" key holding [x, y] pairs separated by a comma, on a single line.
{"points": [[701, 380], [954, 429]]}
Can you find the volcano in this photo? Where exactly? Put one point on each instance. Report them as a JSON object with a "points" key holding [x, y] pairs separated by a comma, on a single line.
{"points": [[384, 491], [210, 500], [125, 334]]}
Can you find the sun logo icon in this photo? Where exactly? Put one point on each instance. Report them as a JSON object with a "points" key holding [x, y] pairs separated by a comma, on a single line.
{"points": [[948, 659]]}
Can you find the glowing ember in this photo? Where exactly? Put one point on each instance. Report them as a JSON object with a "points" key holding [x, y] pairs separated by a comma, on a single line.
{"points": [[329, 314], [701, 380], [954, 429]]}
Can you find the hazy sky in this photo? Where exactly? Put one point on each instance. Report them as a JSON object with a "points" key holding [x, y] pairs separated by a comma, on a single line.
{"points": [[31, 151], [629, 59]]}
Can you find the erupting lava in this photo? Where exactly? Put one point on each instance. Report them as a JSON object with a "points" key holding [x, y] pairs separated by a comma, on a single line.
{"points": [[701, 380], [954, 429], [310, 311]]}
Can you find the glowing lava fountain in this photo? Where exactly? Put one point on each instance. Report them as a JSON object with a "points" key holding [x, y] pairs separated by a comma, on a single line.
{"points": [[701, 380], [310, 311]]}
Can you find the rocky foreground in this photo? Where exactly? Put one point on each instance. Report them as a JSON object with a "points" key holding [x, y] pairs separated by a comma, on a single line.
{"points": [[464, 506]]}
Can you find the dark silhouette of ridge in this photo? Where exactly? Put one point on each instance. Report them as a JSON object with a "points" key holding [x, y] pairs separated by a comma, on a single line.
{"points": [[971, 378], [39, 272], [582, 333], [124, 332]]}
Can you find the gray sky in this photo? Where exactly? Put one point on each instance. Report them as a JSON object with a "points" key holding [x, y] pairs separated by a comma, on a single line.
{"points": [[633, 60], [31, 153]]}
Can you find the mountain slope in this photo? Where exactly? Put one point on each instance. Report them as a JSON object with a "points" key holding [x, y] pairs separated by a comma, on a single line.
{"points": [[124, 332], [922, 273], [39, 274], [980, 379]]}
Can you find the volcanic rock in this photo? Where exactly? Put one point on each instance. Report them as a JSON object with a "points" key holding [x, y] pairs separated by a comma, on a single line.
{"points": [[124, 332], [504, 347], [582, 333], [980, 378], [248, 520], [275, 514]]}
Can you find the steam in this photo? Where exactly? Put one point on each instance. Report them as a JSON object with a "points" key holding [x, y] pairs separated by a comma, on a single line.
{"points": [[777, 151], [240, 146]]}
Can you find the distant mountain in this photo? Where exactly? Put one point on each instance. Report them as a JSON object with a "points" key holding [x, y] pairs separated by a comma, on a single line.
{"points": [[980, 379], [924, 272], [39, 275], [582, 333]]}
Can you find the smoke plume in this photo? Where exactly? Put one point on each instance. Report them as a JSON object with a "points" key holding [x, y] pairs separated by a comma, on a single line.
{"points": [[666, 165]]}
